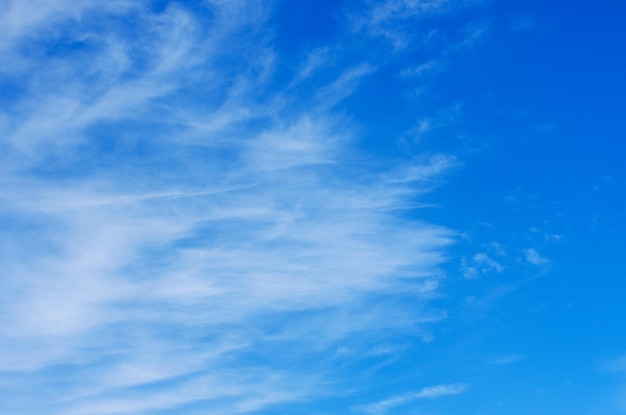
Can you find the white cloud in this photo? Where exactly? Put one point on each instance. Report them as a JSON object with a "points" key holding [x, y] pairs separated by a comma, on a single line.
{"points": [[31, 17], [554, 238], [431, 392], [497, 249], [178, 229], [395, 21], [480, 264], [533, 257], [424, 68], [486, 263]]}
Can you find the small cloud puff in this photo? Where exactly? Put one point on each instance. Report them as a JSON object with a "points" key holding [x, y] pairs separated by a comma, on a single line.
{"points": [[533, 257], [479, 264]]}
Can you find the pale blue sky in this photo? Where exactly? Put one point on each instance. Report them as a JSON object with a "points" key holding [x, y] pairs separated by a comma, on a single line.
{"points": [[312, 207]]}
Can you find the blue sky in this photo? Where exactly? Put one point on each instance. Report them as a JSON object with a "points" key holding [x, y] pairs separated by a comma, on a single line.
{"points": [[312, 207]]}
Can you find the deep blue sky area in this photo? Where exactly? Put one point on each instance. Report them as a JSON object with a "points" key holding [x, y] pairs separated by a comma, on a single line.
{"points": [[312, 207]]}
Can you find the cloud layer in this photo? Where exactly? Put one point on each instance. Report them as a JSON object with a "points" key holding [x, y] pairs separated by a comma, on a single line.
{"points": [[181, 229]]}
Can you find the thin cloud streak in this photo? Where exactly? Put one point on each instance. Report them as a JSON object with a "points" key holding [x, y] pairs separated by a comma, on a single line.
{"points": [[431, 392]]}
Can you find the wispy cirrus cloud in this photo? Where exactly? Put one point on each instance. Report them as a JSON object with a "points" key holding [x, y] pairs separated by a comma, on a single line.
{"points": [[430, 392], [176, 231], [389, 19]]}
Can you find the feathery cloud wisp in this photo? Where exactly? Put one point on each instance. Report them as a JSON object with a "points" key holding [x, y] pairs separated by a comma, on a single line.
{"points": [[426, 393], [177, 232]]}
